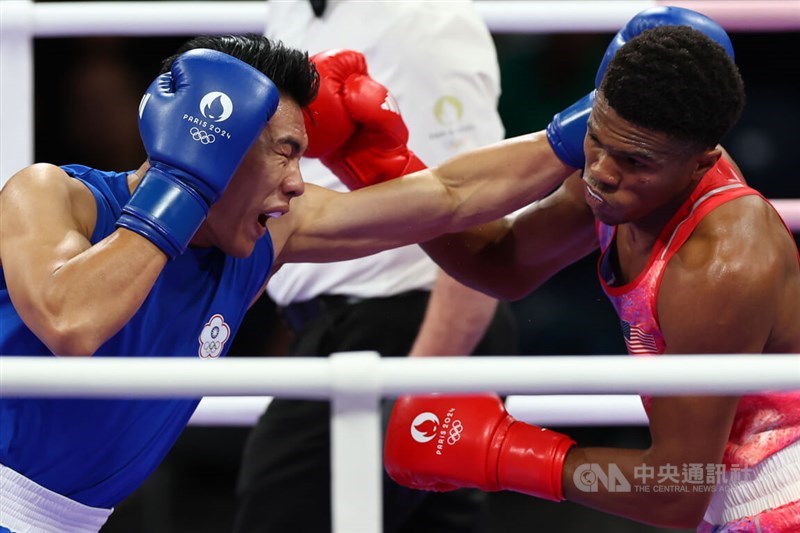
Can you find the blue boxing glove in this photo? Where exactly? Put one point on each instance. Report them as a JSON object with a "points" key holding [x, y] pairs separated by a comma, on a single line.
{"points": [[197, 122], [567, 130], [663, 16]]}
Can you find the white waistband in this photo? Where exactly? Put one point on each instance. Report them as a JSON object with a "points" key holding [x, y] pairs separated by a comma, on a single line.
{"points": [[27, 507], [770, 484]]}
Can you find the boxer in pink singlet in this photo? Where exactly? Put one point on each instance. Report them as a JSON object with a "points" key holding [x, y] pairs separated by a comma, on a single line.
{"points": [[764, 442], [694, 261]]}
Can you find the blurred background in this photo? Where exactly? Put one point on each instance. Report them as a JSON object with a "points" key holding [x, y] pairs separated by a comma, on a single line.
{"points": [[87, 91]]}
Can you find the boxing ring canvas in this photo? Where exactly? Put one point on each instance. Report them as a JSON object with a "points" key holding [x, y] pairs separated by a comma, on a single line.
{"points": [[544, 390]]}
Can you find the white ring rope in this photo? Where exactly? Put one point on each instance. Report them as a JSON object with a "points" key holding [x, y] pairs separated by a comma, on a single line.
{"points": [[365, 374], [502, 16]]}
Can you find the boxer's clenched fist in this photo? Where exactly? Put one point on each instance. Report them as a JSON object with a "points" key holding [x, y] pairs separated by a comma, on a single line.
{"points": [[354, 126]]}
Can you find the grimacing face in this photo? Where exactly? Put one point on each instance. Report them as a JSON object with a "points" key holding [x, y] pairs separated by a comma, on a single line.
{"points": [[636, 175], [267, 179]]}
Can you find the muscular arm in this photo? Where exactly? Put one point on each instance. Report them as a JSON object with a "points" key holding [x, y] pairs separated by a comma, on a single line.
{"points": [[685, 431], [471, 188], [509, 258], [718, 295], [72, 295]]}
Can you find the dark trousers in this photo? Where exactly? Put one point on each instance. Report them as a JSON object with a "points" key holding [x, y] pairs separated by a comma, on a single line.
{"points": [[284, 483]]}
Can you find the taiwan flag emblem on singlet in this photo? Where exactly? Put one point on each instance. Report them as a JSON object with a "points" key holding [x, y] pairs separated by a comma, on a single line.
{"points": [[212, 338], [637, 341]]}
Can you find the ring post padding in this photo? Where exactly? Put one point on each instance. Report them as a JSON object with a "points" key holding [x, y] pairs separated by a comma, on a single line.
{"points": [[356, 440]]}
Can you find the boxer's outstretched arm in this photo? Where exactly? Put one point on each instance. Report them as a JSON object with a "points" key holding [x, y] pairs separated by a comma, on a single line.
{"points": [[362, 139], [72, 295], [511, 257], [471, 188]]}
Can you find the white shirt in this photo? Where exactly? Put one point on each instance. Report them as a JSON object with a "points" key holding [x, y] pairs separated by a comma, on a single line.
{"points": [[439, 61]]}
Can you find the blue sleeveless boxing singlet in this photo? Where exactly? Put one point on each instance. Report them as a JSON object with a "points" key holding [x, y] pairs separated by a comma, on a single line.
{"points": [[99, 451]]}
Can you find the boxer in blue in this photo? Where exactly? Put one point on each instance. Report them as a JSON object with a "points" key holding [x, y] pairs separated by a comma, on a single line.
{"points": [[91, 269]]}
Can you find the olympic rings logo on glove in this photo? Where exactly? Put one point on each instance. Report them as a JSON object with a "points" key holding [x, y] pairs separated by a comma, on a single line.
{"points": [[202, 136], [455, 432]]}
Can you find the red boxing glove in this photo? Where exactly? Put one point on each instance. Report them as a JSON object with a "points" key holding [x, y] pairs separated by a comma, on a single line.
{"points": [[328, 122], [441, 443], [354, 126]]}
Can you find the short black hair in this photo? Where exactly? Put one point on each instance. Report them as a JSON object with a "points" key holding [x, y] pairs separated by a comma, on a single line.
{"points": [[677, 81], [289, 69]]}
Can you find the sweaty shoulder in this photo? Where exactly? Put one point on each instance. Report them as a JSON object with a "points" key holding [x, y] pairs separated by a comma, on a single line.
{"points": [[743, 235], [731, 275]]}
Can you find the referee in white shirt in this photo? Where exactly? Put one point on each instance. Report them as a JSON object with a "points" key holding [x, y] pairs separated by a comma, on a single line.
{"points": [[439, 61]]}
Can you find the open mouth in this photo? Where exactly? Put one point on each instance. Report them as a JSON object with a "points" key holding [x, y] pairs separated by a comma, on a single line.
{"points": [[590, 190], [594, 194], [265, 216]]}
